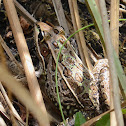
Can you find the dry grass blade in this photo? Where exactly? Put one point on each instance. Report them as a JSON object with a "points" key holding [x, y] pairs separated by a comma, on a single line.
{"points": [[60, 14], [0, 3], [93, 120], [2, 122], [38, 48], [23, 95], [80, 37], [10, 104], [75, 29], [25, 56], [24, 13], [114, 30], [114, 24], [113, 73], [7, 50]]}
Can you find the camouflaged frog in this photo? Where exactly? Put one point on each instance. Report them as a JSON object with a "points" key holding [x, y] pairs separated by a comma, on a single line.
{"points": [[79, 89]]}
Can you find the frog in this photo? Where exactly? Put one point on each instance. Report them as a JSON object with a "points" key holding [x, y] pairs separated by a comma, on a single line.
{"points": [[79, 89]]}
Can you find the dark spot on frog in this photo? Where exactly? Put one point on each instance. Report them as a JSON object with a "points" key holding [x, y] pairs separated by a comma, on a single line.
{"points": [[70, 61], [53, 78], [86, 75], [61, 40], [56, 31], [47, 85], [86, 102], [105, 96], [61, 58], [73, 84], [85, 96], [79, 77], [95, 100], [63, 84], [55, 44], [58, 89], [53, 66], [59, 30], [67, 72], [94, 88], [80, 66], [101, 86], [72, 54], [79, 90]]}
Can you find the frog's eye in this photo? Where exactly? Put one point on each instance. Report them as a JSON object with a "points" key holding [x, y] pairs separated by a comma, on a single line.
{"points": [[59, 30], [47, 35], [41, 35]]}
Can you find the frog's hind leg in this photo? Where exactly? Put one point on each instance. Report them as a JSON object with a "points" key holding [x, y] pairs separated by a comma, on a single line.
{"points": [[102, 70]]}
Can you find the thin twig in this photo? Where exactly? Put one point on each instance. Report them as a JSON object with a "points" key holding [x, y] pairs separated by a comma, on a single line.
{"points": [[60, 14], [24, 13], [38, 48]]}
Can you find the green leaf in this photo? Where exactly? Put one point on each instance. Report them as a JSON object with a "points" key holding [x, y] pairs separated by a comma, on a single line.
{"points": [[104, 121], [124, 111], [120, 72], [79, 119]]}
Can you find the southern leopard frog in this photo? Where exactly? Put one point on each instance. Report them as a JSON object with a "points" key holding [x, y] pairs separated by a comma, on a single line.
{"points": [[79, 89]]}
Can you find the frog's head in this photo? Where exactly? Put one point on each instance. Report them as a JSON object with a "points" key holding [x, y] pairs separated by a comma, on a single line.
{"points": [[59, 30], [44, 30]]}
